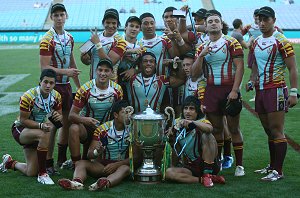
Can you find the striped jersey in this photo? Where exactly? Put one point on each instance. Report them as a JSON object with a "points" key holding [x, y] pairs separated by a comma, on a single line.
{"points": [[199, 39], [32, 101], [190, 87], [115, 43], [159, 46], [97, 103], [269, 55], [116, 142], [60, 48], [147, 91], [218, 64]]}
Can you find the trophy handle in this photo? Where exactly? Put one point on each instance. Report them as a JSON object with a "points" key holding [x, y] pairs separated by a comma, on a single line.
{"points": [[168, 114]]}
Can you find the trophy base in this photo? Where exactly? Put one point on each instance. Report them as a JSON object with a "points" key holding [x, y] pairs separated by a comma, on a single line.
{"points": [[147, 179]]}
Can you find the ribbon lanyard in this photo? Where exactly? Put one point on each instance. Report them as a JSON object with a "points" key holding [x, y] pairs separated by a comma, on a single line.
{"points": [[143, 83], [64, 48], [116, 140], [182, 133], [47, 105]]}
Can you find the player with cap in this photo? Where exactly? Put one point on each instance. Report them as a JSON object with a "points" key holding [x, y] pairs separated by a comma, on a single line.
{"points": [[273, 53], [108, 44], [221, 59], [56, 52], [33, 129], [91, 107], [128, 65]]}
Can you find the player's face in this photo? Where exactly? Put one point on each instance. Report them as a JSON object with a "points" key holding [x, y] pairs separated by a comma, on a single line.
{"points": [[148, 66], [133, 29], [190, 113], [47, 85], [104, 73], [169, 20], [110, 26], [214, 24], [198, 20], [121, 115], [148, 26], [187, 65], [59, 18], [266, 24]]}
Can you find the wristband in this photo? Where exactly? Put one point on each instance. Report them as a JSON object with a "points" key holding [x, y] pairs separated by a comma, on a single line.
{"points": [[41, 125], [181, 42], [98, 46], [95, 153]]}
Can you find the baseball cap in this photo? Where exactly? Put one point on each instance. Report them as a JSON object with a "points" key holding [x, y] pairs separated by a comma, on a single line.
{"points": [[133, 18], [200, 13], [266, 11], [57, 6], [232, 107], [255, 13], [111, 13], [105, 62], [213, 12]]}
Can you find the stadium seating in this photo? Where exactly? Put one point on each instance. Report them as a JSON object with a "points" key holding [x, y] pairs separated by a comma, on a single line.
{"points": [[22, 15]]}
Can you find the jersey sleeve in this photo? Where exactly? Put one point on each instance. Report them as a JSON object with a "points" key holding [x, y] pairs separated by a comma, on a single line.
{"points": [[285, 48], [198, 51], [47, 45], [119, 46], [167, 42], [26, 102], [236, 49], [58, 102], [82, 95]]}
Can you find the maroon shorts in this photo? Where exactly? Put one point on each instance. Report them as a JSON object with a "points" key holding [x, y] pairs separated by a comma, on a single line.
{"points": [[271, 100], [16, 131], [65, 91], [197, 167], [213, 98], [251, 59]]}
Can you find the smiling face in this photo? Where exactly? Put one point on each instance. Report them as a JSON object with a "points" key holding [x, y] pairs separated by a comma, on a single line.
{"points": [[47, 85], [110, 26], [214, 24], [104, 72], [59, 18], [132, 29], [148, 65]]}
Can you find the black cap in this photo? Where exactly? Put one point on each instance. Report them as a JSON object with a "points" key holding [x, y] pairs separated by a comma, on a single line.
{"points": [[200, 13], [148, 53], [266, 11], [133, 18], [213, 12], [255, 13], [57, 6], [232, 107], [190, 54], [105, 62], [111, 13]]}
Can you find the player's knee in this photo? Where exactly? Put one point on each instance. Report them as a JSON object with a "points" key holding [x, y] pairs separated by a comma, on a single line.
{"points": [[74, 130]]}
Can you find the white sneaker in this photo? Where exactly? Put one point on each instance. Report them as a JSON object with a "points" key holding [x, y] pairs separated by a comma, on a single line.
{"points": [[45, 179], [273, 176], [252, 99], [67, 165], [5, 159], [70, 184], [265, 170], [239, 171]]}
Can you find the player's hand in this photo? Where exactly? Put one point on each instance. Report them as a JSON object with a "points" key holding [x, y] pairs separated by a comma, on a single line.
{"points": [[91, 122], [166, 62], [72, 72], [185, 8], [185, 123], [85, 59], [94, 37], [127, 75], [232, 95], [56, 116], [46, 127], [292, 101], [111, 168], [206, 50]]}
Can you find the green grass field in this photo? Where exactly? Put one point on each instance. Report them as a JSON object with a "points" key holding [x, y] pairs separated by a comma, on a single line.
{"points": [[14, 184]]}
